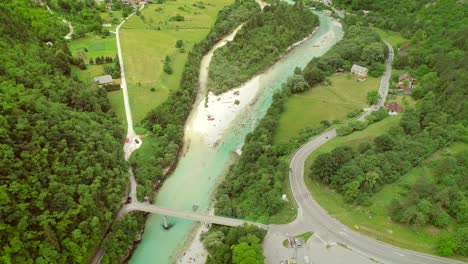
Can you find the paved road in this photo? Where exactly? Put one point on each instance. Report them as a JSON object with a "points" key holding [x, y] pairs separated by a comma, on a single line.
{"points": [[133, 142], [312, 217], [384, 84]]}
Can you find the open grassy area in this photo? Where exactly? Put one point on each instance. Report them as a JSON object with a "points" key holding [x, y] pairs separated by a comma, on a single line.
{"points": [[92, 46], [332, 102], [117, 103], [147, 41], [394, 38], [373, 220]]}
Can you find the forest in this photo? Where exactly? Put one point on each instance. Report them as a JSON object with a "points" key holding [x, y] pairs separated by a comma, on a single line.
{"points": [[166, 122], [260, 42], [63, 175]]}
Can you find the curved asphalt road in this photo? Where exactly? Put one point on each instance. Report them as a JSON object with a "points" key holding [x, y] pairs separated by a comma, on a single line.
{"points": [[327, 229]]}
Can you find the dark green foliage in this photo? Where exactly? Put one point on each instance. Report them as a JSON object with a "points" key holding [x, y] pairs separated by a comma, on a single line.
{"points": [[438, 201], [167, 65], [252, 188], [62, 173], [227, 245], [360, 45], [297, 84], [262, 40], [372, 97], [112, 87], [84, 15]]}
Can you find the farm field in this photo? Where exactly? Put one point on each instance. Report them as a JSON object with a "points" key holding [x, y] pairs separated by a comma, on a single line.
{"points": [[322, 102], [146, 41]]}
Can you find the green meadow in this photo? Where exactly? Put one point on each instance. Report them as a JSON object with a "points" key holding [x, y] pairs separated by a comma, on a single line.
{"points": [[321, 102], [147, 39]]}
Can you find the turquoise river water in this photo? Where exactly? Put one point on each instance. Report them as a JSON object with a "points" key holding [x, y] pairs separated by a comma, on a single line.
{"points": [[200, 169]]}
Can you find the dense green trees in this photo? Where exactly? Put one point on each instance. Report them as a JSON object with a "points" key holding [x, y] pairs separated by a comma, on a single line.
{"points": [[262, 40], [437, 200], [239, 245], [84, 14], [62, 173]]}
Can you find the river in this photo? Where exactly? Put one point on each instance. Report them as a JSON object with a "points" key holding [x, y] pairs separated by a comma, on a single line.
{"points": [[200, 169]]}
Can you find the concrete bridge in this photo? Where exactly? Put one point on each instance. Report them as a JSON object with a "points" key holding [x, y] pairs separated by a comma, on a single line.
{"points": [[206, 218], [134, 205]]}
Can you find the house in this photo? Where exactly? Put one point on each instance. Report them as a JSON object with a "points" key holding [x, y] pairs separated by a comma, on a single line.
{"points": [[394, 108], [359, 71], [49, 43], [109, 5], [102, 80], [340, 70], [406, 83]]}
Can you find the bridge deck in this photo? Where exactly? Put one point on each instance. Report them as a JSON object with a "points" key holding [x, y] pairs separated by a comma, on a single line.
{"points": [[219, 220]]}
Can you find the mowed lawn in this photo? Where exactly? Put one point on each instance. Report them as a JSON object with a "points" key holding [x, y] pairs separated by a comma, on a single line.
{"points": [[146, 42], [373, 220], [321, 102]]}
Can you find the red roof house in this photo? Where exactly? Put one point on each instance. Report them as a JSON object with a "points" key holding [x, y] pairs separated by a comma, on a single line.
{"points": [[394, 108]]}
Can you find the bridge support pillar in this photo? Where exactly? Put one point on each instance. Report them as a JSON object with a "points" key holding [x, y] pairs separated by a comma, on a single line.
{"points": [[166, 225]]}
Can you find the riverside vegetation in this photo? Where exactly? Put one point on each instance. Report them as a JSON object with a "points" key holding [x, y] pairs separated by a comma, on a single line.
{"points": [[261, 41], [62, 173], [252, 188], [166, 122]]}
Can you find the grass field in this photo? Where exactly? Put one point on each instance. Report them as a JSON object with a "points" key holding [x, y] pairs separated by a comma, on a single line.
{"points": [[147, 42], [373, 220], [117, 104], [332, 102], [394, 38], [92, 46]]}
